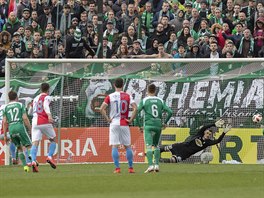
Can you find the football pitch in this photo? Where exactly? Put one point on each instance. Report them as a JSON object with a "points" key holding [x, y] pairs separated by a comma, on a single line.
{"points": [[98, 180]]}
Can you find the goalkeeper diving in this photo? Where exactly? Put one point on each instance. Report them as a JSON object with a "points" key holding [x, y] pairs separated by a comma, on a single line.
{"points": [[200, 141]]}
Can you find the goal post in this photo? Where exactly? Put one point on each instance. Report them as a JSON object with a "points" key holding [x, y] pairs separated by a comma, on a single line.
{"points": [[197, 90]]}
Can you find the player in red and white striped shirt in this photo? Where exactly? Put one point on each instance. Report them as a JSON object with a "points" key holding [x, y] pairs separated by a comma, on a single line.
{"points": [[42, 124], [119, 132]]}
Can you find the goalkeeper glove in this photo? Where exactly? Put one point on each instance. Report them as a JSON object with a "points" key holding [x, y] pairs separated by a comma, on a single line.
{"points": [[219, 123], [227, 128]]}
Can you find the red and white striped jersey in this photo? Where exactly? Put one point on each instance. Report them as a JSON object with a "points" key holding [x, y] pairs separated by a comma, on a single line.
{"points": [[40, 109], [119, 103]]}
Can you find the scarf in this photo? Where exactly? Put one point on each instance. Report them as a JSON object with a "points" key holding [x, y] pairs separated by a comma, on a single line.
{"points": [[147, 18], [240, 49]]}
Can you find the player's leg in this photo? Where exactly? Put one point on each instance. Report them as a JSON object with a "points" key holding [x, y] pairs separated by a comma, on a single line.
{"points": [[125, 139], [156, 140], [148, 139], [12, 149], [26, 142], [48, 130], [114, 142], [36, 136]]}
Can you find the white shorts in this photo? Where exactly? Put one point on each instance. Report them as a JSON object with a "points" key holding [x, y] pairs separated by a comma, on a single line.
{"points": [[38, 130], [119, 135]]}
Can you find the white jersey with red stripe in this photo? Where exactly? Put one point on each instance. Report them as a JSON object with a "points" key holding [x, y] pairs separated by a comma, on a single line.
{"points": [[40, 109], [119, 103]]}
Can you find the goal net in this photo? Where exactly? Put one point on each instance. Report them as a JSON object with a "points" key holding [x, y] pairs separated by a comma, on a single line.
{"points": [[198, 91]]}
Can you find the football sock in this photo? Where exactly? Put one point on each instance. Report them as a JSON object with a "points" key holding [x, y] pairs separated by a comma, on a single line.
{"points": [[52, 148], [33, 153], [149, 155], [27, 156], [129, 156], [115, 156], [157, 155], [22, 158], [12, 150]]}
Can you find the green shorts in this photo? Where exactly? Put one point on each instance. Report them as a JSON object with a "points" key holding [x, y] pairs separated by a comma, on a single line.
{"points": [[152, 135], [19, 135]]}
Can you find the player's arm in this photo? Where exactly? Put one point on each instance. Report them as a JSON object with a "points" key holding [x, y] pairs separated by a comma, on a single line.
{"points": [[103, 112], [138, 117], [217, 124], [134, 112], [26, 121], [30, 109], [46, 108], [218, 140], [169, 113]]}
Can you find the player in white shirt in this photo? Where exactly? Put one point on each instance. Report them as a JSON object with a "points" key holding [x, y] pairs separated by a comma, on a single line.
{"points": [[119, 132], [42, 124]]}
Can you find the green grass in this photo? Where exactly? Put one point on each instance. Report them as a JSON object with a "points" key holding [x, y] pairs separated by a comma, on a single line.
{"points": [[97, 180]]}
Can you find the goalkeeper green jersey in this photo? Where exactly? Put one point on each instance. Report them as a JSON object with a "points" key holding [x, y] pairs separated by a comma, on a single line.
{"points": [[153, 108], [13, 112]]}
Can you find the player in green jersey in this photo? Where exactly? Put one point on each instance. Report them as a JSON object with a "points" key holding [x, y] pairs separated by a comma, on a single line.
{"points": [[15, 118], [153, 108]]}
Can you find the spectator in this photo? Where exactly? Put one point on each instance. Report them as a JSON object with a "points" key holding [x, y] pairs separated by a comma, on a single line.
{"points": [[107, 52], [95, 23], [203, 29], [127, 19], [171, 43], [12, 23], [164, 12], [159, 34], [147, 18], [204, 11], [83, 23], [21, 6], [182, 39], [36, 7], [84, 6], [195, 20], [38, 42], [75, 46], [136, 49], [28, 51], [3, 9], [194, 52], [188, 12], [5, 39], [36, 27], [111, 34], [122, 52], [17, 45], [65, 18], [154, 47], [36, 52], [61, 52], [213, 51], [177, 22], [75, 22], [131, 35], [167, 28], [91, 11], [258, 35], [246, 45], [28, 34], [46, 17], [25, 20]]}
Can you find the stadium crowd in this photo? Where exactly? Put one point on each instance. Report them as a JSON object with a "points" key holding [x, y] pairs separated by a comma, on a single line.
{"points": [[149, 28]]}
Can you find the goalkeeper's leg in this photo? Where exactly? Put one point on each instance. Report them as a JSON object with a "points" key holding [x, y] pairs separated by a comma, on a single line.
{"points": [[173, 159]]}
